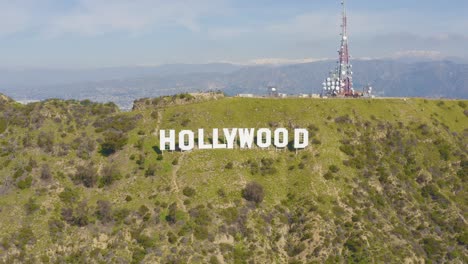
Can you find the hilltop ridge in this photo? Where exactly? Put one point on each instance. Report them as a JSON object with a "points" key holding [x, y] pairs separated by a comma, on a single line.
{"points": [[382, 181]]}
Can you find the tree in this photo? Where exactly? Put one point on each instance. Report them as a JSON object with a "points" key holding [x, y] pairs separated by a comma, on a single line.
{"points": [[171, 215], [113, 141], [253, 192]]}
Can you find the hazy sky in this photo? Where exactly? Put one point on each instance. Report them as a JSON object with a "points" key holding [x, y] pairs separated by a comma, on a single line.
{"points": [[95, 33]]}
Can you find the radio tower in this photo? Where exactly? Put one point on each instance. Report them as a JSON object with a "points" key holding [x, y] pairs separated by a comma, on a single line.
{"points": [[340, 82]]}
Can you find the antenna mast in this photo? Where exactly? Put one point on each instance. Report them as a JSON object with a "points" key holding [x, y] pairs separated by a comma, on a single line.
{"points": [[344, 68], [340, 82]]}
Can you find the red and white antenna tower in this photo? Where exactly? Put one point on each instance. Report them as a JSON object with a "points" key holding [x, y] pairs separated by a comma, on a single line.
{"points": [[340, 82], [344, 68]]}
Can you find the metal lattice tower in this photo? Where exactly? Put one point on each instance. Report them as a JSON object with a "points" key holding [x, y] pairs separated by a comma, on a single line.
{"points": [[340, 82], [345, 73]]}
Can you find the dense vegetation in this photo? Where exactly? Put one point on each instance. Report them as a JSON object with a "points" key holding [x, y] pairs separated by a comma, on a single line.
{"points": [[383, 181]]}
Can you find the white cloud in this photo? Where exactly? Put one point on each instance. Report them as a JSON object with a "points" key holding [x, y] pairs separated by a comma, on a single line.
{"points": [[92, 17], [95, 17], [320, 24], [282, 61], [227, 32]]}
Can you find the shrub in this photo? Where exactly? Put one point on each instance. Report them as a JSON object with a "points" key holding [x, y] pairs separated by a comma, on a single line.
{"points": [[110, 174], [138, 255], [31, 206], [55, 229], [86, 175], [113, 141], [328, 176], [151, 171], [69, 196], [462, 239], [171, 215], [432, 247], [24, 236], [188, 191], [229, 165], [185, 122], [221, 193], [254, 169], [343, 120], [46, 174], [334, 168], [253, 192], [46, 141], [301, 165], [267, 167], [25, 183], [104, 211], [316, 141], [120, 214]]}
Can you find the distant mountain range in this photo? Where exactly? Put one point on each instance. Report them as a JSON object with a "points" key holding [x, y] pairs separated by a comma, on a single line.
{"points": [[125, 84]]}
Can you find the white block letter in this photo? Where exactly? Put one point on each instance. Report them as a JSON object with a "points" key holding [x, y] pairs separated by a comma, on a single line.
{"points": [[281, 137], [230, 137], [264, 137], [163, 140], [246, 137], [301, 138], [216, 144], [190, 140], [201, 140]]}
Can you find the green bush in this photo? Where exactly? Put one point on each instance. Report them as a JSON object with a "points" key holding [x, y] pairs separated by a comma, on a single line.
{"points": [[25, 183], [46, 173], [31, 206], [113, 142], [86, 175], [46, 141], [69, 195], [253, 192], [229, 165], [334, 168], [151, 171], [104, 211], [188, 191], [110, 174], [24, 236]]}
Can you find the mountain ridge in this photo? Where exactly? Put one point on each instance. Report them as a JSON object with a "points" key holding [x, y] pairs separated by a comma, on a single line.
{"points": [[382, 181], [389, 78]]}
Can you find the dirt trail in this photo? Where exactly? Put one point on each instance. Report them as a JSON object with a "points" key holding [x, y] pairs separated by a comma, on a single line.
{"points": [[175, 186]]}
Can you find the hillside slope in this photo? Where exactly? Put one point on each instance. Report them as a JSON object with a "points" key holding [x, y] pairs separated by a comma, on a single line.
{"points": [[383, 181]]}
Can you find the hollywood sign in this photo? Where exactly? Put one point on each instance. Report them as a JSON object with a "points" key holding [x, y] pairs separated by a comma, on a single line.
{"points": [[246, 137]]}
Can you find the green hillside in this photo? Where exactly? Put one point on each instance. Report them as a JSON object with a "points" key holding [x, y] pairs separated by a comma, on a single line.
{"points": [[383, 181]]}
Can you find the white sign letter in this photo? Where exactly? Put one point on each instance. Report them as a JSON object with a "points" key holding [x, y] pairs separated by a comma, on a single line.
{"points": [[230, 137], [216, 144], [301, 138], [264, 137], [281, 141], [190, 141], [246, 137], [163, 140], [201, 140]]}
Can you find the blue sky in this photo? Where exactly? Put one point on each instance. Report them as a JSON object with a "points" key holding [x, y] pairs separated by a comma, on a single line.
{"points": [[97, 33]]}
